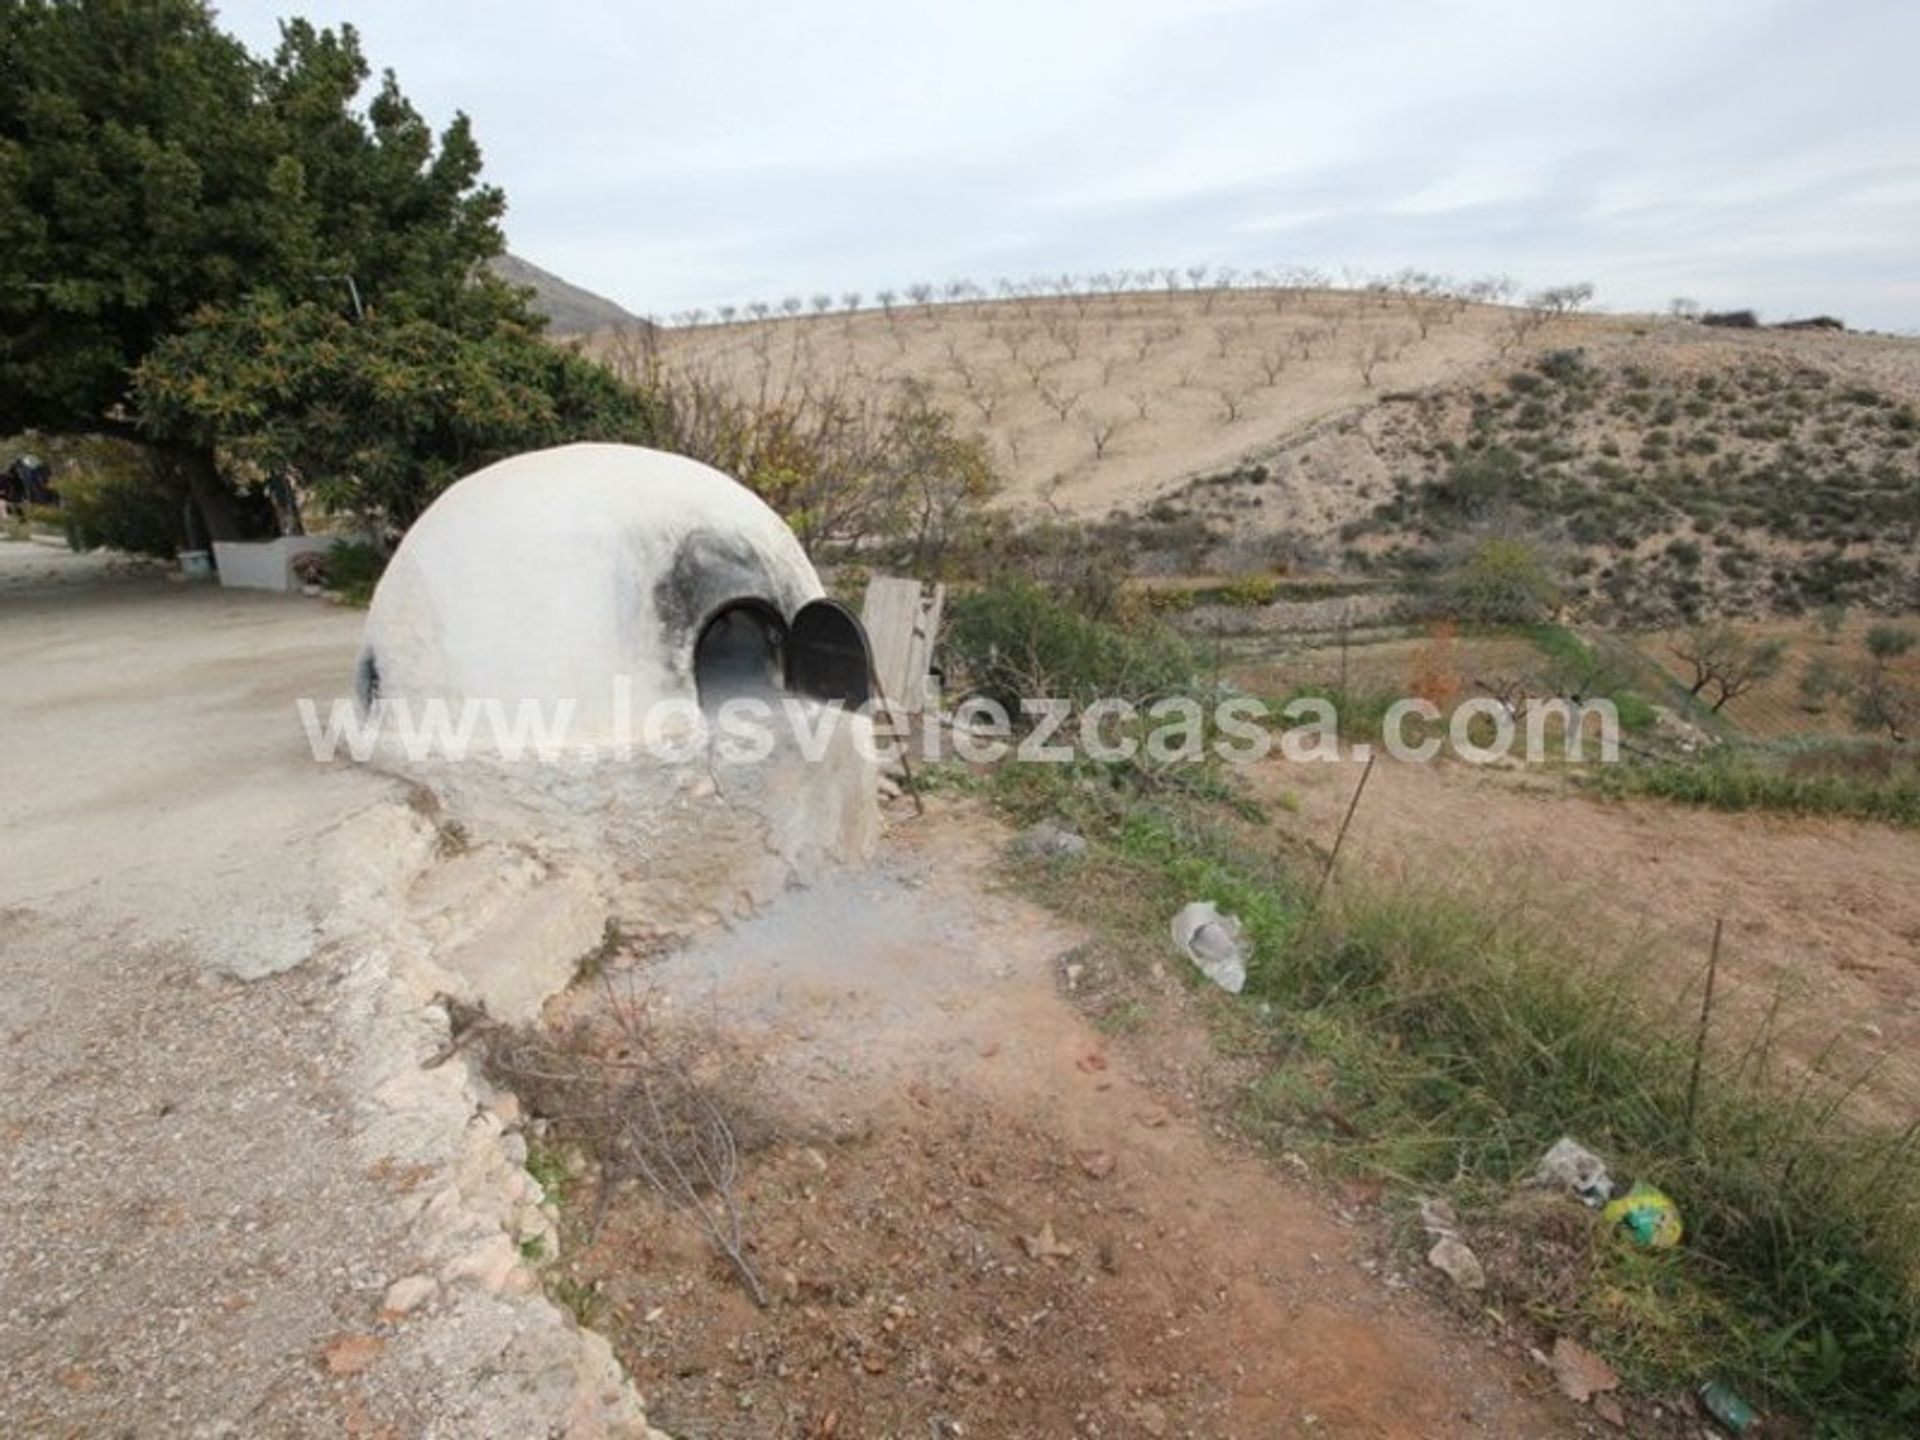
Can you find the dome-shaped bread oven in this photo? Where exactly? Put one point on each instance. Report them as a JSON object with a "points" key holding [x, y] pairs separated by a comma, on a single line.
{"points": [[608, 585], [550, 576]]}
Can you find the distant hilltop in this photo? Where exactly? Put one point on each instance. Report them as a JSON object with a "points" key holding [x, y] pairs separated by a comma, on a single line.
{"points": [[569, 309]]}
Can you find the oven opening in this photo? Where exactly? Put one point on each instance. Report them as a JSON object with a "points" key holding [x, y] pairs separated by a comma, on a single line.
{"points": [[739, 653]]}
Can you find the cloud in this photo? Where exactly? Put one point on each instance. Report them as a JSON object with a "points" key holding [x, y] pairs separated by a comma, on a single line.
{"points": [[1751, 152]]}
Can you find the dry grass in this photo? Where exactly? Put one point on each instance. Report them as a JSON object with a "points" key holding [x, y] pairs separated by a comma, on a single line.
{"points": [[671, 1109]]}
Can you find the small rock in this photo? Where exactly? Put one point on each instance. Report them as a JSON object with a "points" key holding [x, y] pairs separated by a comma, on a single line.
{"points": [[1460, 1264], [1098, 1164], [1581, 1373], [1437, 1218], [350, 1354], [1045, 1245], [1050, 839], [408, 1294], [506, 1109], [1608, 1409], [490, 1264], [1569, 1166]]}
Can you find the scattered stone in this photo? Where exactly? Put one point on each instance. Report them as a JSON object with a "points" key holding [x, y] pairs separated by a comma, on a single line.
{"points": [[1570, 1167], [1460, 1265], [1098, 1164], [1045, 1246], [1050, 839], [506, 1109], [350, 1354], [1581, 1373], [408, 1294], [1608, 1409], [1211, 939], [1437, 1218]]}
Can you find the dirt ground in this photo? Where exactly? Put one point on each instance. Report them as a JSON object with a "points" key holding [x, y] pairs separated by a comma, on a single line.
{"points": [[977, 1215], [1824, 914]]}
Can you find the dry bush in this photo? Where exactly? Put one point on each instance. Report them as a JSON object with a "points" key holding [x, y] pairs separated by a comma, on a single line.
{"points": [[852, 466], [674, 1110]]}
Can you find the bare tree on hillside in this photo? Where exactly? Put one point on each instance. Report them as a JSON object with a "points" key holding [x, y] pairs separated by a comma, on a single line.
{"points": [[1273, 364], [1062, 402], [1142, 399], [1727, 662], [1562, 299], [1101, 432], [1232, 402], [985, 398], [1370, 355]]}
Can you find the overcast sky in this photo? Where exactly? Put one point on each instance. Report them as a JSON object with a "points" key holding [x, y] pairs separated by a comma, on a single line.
{"points": [[1741, 152]]}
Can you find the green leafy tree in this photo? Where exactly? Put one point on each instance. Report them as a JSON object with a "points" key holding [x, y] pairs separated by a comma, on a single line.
{"points": [[376, 416], [150, 167]]}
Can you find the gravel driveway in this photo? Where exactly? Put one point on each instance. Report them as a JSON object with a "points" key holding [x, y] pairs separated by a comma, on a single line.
{"points": [[236, 1207]]}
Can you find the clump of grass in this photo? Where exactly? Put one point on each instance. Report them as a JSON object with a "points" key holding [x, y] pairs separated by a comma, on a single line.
{"points": [[1875, 784], [1457, 1046]]}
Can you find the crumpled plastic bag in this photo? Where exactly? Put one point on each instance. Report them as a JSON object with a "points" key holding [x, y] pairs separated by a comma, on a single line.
{"points": [[1649, 1217], [1212, 940]]}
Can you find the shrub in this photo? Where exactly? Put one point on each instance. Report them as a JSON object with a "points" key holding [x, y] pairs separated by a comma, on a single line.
{"points": [[114, 494], [353, 569], [1012, 639], [1503, 581], [1888, 642], [1250, 591]]}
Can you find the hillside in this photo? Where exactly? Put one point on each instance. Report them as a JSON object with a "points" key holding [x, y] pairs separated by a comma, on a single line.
{"points": [[569, 309], [1308, 426]]}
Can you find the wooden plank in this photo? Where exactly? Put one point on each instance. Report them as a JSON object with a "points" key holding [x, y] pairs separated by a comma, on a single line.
{"points": [[902, 620]]}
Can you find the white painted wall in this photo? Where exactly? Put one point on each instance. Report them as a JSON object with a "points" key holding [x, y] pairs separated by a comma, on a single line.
{"points": [[265, 564]]}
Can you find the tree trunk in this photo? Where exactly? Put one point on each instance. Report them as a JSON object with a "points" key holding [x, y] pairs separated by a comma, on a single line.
{"points": [[219, 513]]}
